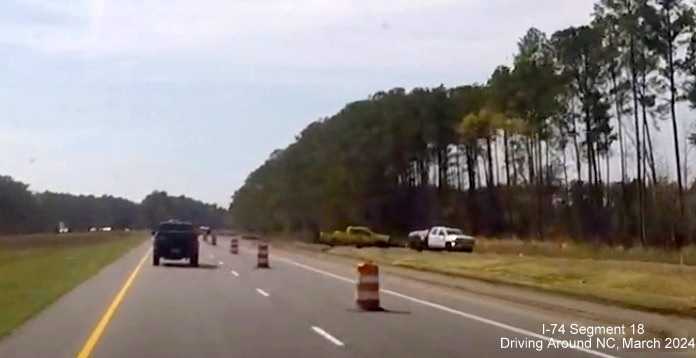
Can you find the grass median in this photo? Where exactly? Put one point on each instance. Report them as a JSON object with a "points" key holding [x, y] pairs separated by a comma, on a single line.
{"points": [[35, 270], [649, 286]]}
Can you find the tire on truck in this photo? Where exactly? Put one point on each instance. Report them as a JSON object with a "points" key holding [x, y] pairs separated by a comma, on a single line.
{"points": [[417, 244]]}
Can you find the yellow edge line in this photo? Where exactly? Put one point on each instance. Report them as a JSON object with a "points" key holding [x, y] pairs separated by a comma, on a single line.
{"points": [[104, 321]]}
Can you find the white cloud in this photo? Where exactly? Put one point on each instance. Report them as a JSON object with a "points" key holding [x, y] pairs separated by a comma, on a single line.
{"points": [[41, 139], [338, 33], [34, 154], [96, 15], [293, 41]]}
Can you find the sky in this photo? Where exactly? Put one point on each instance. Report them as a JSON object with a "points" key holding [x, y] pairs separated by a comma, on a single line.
{"points": [[123, 97]]}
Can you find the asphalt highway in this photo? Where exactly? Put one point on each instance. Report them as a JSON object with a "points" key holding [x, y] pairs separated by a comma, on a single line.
{"points": [[300, 307]]}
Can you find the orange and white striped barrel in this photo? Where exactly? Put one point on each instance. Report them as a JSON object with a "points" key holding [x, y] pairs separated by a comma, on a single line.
{"points": [[263, 255], [234, 245], [368, 287]]}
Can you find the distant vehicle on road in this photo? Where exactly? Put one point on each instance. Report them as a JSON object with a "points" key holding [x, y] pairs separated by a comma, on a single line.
{"points": [[442, 238], [106, 229], [62, 228], [92, 229], [355, 235], [175, 240], [206, 232]]}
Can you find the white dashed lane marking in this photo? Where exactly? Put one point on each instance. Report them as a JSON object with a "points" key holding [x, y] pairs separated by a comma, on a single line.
{"points": [[450, 310], [328, 336]]}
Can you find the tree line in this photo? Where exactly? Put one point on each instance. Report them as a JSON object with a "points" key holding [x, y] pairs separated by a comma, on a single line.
{"points": [[558, 143], [22, 211]]}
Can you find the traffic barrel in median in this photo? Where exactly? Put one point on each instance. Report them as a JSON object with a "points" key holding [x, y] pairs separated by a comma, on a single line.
{"points": [[263, 255], [368, 287], [234, 245], [214, 239]]}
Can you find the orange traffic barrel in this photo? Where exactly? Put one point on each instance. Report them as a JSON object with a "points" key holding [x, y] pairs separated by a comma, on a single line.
{"points": [[368, 287], [234, 245], [263, 255]]}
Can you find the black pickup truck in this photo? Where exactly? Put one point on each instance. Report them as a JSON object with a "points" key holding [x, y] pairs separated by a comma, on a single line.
{"points": [[175, 240]]}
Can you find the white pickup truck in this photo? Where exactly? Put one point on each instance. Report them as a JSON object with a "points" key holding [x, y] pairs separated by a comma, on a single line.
{"points": [[441, 237]]}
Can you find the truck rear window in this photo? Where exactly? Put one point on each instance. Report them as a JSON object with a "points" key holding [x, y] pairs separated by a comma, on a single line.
{"points": [[175, 227]]}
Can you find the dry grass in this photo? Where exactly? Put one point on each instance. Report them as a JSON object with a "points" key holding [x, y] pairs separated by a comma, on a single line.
{"points": [[560, 248], [37, 269], [648, 286], [566, 249], [648, 279]]}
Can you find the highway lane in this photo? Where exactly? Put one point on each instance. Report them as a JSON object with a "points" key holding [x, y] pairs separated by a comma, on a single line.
{"points": [[408, 330], [421, 322], [301, 307], [178, 311]]}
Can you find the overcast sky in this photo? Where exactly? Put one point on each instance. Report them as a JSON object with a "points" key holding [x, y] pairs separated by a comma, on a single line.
{"points": [[124, 97]]}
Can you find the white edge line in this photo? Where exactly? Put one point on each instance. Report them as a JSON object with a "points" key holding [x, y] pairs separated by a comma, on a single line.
{"points": [[326, 335], [452, 310], [234, 273], [262, 292]]}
